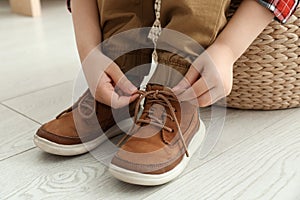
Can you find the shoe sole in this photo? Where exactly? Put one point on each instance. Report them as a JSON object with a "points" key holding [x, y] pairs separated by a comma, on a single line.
{"points": [[78, 149], [159, 179]]}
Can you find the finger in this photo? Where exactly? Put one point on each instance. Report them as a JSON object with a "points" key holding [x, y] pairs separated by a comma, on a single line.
{"points": [[111, 98], [209, 98], [181, 86], [200, 87], [108, 95], [191, 77], [118, 101], [120, 79]]}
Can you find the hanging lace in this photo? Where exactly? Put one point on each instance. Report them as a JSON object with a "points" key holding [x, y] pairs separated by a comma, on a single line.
{"points": [[156, 29]]}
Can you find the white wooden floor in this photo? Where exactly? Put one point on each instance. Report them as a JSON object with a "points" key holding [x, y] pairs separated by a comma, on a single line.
{"points": [[257, 156]]}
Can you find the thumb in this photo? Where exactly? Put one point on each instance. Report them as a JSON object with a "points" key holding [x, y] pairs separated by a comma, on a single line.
{"points": [[190, 78], [181, 86]]}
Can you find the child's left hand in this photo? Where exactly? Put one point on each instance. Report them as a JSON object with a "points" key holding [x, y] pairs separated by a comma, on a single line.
{"points": [[209, 78]]}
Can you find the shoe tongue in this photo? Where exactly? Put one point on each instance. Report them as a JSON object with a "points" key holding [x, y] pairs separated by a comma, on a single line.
{"points": [[153, 87], [159, 110]]}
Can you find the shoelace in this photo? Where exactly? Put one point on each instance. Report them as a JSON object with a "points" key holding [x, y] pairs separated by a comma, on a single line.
{"points": [[86, 105], [158, 97]]}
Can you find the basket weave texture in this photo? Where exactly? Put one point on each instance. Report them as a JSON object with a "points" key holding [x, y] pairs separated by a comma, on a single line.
{"points": [[267, 75]]}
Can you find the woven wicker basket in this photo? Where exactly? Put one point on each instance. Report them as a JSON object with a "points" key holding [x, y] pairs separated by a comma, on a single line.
{"points": [[267, 76]]}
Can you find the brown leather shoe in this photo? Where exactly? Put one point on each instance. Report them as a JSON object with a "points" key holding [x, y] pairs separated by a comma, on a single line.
{"points": [[162, 140], [81, 128]]}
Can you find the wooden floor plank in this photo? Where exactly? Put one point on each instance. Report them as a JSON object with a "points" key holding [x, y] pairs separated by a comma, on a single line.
{"points": [[42, 175], [37, 175], [44, 105], [239, 125], [256, 157], [36, 53], [266, 166], [16, 133]]}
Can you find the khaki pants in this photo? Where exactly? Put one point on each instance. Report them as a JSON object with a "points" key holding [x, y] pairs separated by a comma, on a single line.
{"points": [[199, 20]]}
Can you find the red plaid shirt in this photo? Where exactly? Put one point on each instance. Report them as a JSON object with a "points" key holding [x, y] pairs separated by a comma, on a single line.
{"points": [[282, 9]]}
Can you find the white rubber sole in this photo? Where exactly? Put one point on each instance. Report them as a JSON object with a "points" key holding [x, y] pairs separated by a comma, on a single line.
{"points": [[159, 179], [78, 149]]}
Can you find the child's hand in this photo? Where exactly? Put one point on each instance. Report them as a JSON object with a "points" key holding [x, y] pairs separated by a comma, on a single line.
{"points": [[210, 77], [114, 89], [216, 72], [107, 82]]}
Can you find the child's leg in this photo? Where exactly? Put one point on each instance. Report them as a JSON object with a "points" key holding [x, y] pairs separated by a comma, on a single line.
{"points": [[80, 128], [167, 129], [201, 20], [198, 19], [117, 16]]}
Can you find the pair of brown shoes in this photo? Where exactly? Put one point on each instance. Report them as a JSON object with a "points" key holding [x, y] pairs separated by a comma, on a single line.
{"points": [[155, 150]]}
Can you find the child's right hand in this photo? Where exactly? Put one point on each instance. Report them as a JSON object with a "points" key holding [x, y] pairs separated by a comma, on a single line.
{"points": [[107, 82], [102, 74], [114, 89]]}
